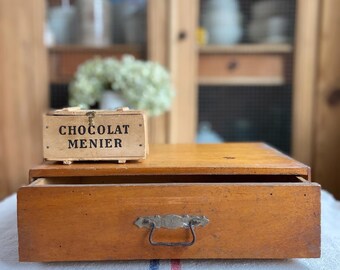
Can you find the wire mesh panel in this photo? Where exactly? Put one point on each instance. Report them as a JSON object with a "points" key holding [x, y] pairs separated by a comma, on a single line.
{"points": [[58, 96], [248, 113]]}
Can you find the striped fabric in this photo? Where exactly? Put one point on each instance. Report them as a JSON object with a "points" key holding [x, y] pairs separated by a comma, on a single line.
{"points": [[165, 264]]}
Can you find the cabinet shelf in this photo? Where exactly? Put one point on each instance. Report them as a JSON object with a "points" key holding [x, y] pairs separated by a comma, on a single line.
{"points": [[64, 59], [241, 81], [247, 49], [245, 64]]}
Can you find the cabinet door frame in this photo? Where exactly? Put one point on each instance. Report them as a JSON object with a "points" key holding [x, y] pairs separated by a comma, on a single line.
{"points": [[171, 42], [304, 83]]}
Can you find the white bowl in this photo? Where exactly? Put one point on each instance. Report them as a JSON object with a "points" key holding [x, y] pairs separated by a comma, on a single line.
{"points": [[266, 28]]}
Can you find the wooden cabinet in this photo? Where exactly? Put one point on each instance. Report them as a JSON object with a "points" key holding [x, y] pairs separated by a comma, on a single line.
{"points": [[171, 42], [310, 65]]}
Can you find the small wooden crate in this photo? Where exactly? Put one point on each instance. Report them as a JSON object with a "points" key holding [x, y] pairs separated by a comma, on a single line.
{"points": [[72, 134], [235, 200]]}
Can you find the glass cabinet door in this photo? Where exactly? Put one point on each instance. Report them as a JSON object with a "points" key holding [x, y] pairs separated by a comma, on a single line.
{"points": [[245, 71]]}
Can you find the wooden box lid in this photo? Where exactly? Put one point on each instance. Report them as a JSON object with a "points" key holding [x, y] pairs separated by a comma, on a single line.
{"points": [[77, 111], [188, 159]]}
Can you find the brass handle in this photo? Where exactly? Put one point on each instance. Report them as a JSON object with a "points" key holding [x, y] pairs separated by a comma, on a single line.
{"points": [[173, 244], [171, 222]]}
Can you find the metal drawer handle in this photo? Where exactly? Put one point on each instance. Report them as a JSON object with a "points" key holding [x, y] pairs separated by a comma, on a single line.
{"points": [[173, 244], [171, 222]]}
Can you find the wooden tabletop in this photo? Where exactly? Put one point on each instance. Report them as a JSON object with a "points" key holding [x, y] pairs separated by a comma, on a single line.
{"points": [[188, 159]]}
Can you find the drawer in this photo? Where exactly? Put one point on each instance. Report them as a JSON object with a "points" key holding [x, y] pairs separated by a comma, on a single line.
{"points": [[93, 218], [243, 69], [64, 60]]}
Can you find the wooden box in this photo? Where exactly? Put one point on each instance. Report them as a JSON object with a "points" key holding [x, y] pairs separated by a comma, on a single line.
{"points": [[236, 200], [72, 134]]}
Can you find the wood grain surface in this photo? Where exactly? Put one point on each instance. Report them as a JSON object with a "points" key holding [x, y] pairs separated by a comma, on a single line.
{"points": [[23, 90], [306, 63], [96, 222], [158, 20], [175, 159], [326, 155], [183, 57]]}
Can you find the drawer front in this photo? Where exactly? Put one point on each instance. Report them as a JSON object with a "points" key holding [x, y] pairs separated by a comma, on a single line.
{"points": [[96, 222], [242, 68], [64, 64]]}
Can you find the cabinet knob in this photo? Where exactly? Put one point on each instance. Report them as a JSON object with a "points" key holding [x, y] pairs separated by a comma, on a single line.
{"points": [[333, 98], [232, 65], [182, 35]]}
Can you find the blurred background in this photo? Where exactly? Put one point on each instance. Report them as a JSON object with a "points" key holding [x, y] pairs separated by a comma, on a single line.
{"points": [[243, 70]]}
